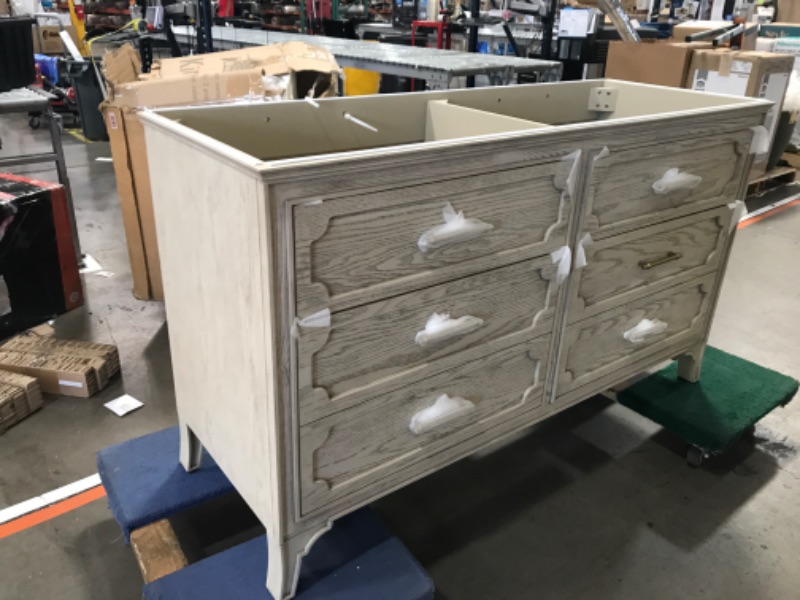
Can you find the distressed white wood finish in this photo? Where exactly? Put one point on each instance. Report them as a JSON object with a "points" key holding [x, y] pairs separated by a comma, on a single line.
{"points": [[360, 247], [374, 344], [270, 213], [343, 453], [615, 274]]}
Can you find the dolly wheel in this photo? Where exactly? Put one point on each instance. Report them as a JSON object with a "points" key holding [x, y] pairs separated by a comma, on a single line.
{"points": [[695, 456], [34, 122]]}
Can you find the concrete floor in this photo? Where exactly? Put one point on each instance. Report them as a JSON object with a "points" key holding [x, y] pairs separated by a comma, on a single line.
{"points": [[595, 503]]}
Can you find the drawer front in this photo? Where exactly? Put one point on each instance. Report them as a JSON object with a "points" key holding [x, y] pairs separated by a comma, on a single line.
{"points": [[385, 442], [621, 192], [622, 268], [376, 343], [353, 250], [607, 342]]}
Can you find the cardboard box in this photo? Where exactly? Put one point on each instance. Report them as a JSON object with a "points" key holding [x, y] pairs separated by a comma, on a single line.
{"points": [[780, 30], [790, 46], [49, 41], [281, 70], [20, 396], [66, 367], [658, 63], [755, 74], [788, 11], [680, 31]]}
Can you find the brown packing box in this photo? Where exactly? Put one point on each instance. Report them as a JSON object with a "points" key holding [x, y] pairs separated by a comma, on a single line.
{"points": [[67, 367], [29, 385], [681, 30], [20, 396], [49, 40], [755, 74], [788, 11], [658, 63], [217, 77]]}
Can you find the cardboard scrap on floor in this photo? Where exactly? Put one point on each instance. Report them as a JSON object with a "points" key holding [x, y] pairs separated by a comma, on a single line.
{"points": [[20, 396], [66, 367]]}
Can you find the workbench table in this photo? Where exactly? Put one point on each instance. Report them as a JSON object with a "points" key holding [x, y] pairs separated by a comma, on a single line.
{"points": [[439, 68]]}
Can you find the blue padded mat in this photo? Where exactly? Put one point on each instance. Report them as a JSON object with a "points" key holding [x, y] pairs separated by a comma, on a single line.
{"points": [[145, 482], [358, 559]]}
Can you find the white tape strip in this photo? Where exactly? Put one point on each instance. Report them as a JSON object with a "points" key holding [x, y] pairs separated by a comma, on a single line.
{"points": [[761, 141], [645, 327], [738, 207], [563, 258], [602, 154], [580, 251], [575, 157], [317, 320], [48, 498]]}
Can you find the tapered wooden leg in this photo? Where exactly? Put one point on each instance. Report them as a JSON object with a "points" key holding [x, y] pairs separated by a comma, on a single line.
{"points": [[284, 560], [690, 364], [191, 452]]}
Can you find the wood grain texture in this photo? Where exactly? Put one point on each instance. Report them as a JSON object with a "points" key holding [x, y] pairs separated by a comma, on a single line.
{"points": [[350, 450], [311, 427], [620, 191], [351, 250], [157, 550], [597, 345], [371, 344], [614, 274]]}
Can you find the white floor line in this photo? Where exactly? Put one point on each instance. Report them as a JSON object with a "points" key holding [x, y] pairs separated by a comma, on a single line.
{"points": [[48, 498], [769, 207]]}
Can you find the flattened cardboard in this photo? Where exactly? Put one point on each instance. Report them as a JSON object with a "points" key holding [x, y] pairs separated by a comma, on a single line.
{"points": [[217, 77]]}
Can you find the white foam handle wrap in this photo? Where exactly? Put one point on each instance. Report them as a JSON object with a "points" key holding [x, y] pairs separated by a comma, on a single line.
{"points": [[440, 327], [674, 180], [455, 229], [445, 409], [644, 328]]}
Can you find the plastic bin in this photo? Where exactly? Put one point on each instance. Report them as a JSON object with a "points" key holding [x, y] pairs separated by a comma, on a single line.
{"points": [[17, 68], [89, 96]]}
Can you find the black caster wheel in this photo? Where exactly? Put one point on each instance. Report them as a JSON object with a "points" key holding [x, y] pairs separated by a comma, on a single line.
{"points": [[34, 122], [695, 456]]}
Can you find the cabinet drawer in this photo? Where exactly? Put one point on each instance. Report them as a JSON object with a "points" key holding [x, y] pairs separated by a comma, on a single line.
{"points": [[375, 343], [608, 341], [386, 441], [624, 267], [357, 249], [621, 193]]}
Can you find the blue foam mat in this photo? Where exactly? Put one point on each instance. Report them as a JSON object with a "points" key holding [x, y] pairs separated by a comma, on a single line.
{"points": [[145, 482], [358, 559]]}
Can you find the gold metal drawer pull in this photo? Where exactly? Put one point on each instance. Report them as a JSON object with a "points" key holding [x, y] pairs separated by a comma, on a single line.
{"points": [[651, 264]]}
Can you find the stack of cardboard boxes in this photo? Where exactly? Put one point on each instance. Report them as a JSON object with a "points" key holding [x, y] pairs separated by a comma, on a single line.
{"points": [[280, 71], [20, 396], [701, 67]]}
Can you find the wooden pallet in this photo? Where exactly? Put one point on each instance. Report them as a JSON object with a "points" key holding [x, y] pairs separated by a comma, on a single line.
{"points": [[771, 179]]}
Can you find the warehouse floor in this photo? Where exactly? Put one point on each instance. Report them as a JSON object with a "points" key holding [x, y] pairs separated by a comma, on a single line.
{"points": [[595, 503]]}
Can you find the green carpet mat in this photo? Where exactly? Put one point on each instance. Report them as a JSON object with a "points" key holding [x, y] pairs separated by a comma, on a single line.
{"points": [[731, 396]]}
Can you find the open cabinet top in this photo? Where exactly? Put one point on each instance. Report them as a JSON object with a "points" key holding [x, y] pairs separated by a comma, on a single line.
{"points": [[271, 135]]}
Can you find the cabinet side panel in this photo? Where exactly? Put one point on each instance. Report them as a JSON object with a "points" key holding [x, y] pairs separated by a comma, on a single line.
{"points": [[212, 228]]}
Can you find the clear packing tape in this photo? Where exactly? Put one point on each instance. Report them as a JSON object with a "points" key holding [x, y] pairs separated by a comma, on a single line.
{"points": [[644, 328], [738, 207], [445, 409], [317, 320], [456, 228], [580, 251], [563, 259], [674, 180], [440, 327]]}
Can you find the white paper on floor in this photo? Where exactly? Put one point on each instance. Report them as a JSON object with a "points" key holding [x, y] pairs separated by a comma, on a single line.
{"points": [[90, 265], [104, 159], [123, 405], [104, 273]]}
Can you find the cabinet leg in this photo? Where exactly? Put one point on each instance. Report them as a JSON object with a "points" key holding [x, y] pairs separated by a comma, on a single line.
{"points": [[689, 364], [284, 559], [191, 451]]}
